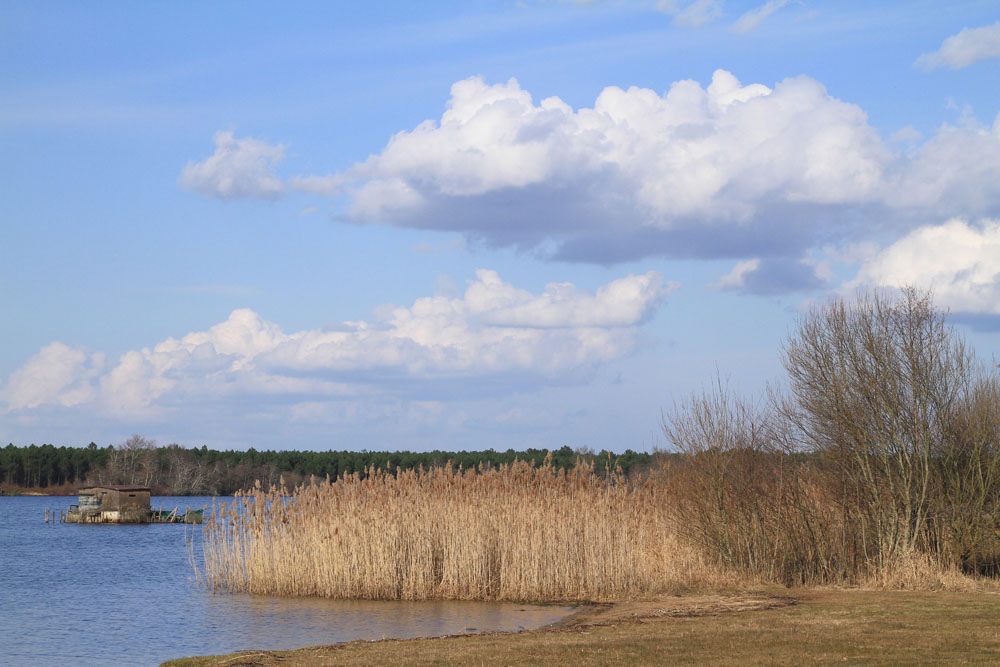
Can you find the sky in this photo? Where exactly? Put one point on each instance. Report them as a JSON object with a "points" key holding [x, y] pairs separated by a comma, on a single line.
{"points": [[469, 225]]}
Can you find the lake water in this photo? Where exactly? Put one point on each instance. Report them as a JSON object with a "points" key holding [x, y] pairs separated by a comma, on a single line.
{"points": [[124, 594]]}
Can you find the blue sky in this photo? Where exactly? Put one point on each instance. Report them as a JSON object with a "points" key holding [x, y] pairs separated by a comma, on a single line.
{"points": [[468, 225]]}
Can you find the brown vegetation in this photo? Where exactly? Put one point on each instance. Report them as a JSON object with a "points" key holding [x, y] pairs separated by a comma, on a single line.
{"points": [[516, 532], [883, 457], [877, 465]]}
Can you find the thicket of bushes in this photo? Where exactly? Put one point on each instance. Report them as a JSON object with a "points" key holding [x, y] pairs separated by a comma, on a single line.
{"points": [[900, 427]]}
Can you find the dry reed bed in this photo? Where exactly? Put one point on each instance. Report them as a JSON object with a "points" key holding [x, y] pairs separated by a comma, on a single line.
{"points": [[517, 532]]}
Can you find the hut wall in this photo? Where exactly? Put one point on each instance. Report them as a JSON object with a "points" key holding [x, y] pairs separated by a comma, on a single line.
{"points": [[134, 499], [88, 501], [105, 497], [113, 500]]}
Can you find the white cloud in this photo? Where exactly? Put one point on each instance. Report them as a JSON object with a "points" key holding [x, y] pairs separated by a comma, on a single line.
{"points": [[754, 17], [494, 330], [691, 14], [238, 168], [955, 172], [960, 262], [727, 170], [58, 374], [718, 153], [967, 47]]}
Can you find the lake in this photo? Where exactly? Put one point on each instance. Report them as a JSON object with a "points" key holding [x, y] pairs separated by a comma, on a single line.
{"points": [[114, 594]]}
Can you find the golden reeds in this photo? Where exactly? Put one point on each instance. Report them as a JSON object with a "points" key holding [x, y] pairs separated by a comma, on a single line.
{"points": [[520, 532], [517, 532]]}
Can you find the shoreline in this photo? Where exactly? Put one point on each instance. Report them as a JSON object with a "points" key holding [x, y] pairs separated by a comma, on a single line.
{"points": [[589, 616], [821, 625]]}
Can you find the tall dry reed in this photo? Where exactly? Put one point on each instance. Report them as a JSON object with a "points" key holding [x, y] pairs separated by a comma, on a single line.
{"points": [[517, 532]]}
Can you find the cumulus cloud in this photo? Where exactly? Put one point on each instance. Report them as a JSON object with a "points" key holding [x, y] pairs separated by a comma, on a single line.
{"points": [[967, 47], [494, 330], [58, 374], [638, 164], [955, 172], [756, 16], [959, 261], [238, 168], [728, 170]]}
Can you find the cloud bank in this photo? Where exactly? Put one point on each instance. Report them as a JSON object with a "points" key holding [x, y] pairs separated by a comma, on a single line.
{"points": [[723, 171], [495, 332], [967, 47]]}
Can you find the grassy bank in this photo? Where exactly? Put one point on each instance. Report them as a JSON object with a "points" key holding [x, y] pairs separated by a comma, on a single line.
{"points": [[823, 626]]}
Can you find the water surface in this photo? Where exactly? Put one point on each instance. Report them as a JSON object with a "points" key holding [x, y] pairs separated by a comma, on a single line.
{"points": [[124, 594]]}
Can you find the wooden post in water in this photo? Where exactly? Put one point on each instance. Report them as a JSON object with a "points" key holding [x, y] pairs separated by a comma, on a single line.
{"points": [[47, 516]]}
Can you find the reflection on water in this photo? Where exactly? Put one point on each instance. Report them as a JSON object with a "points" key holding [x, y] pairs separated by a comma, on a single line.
{"points": [[118, 594], [346, 620]]}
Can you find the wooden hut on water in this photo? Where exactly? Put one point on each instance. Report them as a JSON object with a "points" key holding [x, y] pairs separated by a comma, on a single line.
{"points": [[118, 503], [123, 503]]}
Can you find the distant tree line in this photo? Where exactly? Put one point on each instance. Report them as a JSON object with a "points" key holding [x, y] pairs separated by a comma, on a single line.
{"points": [[176, 470]]}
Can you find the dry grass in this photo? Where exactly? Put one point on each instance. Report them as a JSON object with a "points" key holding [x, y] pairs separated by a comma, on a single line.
{"points": [[517, 532], [921, 572]]}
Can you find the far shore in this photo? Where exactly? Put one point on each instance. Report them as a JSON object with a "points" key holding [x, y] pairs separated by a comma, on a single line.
{"points": [[33, 492], [770, 626], [61, 493]]}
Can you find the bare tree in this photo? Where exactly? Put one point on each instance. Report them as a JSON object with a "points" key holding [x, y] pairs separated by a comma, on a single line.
{"points": [[884, 445], [721, 501], [183, 475], [874, 388], [966, 527], [131, 462]]}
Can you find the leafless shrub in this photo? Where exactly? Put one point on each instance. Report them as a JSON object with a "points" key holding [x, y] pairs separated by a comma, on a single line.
{"points": [[885, 449], [741, 498]]}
